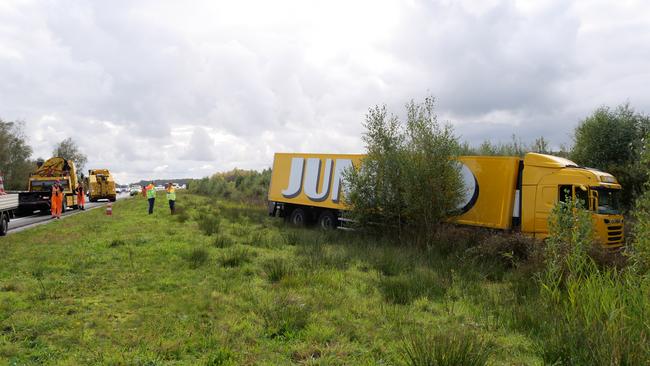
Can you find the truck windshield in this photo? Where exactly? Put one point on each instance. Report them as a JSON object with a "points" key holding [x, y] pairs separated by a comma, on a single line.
{"points": [[609, 201]]}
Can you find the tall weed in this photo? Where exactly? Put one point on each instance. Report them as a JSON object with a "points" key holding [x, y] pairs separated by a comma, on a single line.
{"points": [[451, 349]]}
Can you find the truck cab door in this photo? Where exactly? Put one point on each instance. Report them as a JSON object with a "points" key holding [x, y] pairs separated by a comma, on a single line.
{"points": [[547, 196]]}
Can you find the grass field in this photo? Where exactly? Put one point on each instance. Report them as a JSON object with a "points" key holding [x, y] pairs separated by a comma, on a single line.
{"points": [[135, 289]]}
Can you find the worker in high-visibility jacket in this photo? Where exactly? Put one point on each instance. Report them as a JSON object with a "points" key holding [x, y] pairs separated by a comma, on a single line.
{"points": [[56, 202], [151, 196], [171, 197], [81, 197]]}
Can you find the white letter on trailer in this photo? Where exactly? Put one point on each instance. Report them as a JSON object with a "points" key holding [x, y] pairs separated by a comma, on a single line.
{"points": [[312, 177], [341, 166], [295, 178]]}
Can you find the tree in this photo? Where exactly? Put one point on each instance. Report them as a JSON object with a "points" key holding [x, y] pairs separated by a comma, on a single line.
{"points": [[69, 150], [14, 155], [409, 177], [516, 147], [612, 140], [640, 248]]}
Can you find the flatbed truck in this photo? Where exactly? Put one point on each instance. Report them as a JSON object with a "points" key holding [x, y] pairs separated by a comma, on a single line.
{"points": [[38, 196]]}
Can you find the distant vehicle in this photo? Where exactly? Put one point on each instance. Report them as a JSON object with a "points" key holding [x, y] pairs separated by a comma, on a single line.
{"points": [[135, 190], [8, 207], [101, 185]]}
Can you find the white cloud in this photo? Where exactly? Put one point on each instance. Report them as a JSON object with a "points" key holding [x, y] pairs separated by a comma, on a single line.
{"points": [[166, 89]]}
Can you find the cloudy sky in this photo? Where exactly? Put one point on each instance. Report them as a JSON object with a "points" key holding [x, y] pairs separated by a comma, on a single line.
{"points": [[161, 89]]}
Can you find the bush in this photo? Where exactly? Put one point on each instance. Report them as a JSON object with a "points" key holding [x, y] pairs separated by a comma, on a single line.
{"points": [[223, 241], [453, 239], [571, 235], [587, 315], [292, 237], [285, 317], [198, 257], [405, 288], [599, 320], [390, 261], [455, 349], [181, 214], [393, 186], [116, 243], [235, 257], [209, 222], [220, 357], [247, 186], [503, 249], [276, 269]]}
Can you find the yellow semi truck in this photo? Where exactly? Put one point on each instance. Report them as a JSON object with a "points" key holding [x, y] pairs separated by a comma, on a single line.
{"points": [[101, 185], [508, 193], [54, 170]]}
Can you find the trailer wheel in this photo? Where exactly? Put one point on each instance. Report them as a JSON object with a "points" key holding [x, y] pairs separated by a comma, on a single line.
{"points": [[298, 217], [4, 224], [327, 220]]}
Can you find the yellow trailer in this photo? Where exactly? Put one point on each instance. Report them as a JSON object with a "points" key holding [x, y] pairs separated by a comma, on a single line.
{"points": [[508, 193], [101, 185]]}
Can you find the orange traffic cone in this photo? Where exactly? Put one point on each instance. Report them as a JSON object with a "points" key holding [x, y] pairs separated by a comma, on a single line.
{"points": [[109, 209]]}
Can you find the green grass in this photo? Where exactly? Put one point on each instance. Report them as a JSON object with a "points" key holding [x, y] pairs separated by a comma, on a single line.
{"points": [[227, 285]]}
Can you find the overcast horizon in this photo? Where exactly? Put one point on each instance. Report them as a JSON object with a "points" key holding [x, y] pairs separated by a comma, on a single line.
{"points": [[160, 89]]}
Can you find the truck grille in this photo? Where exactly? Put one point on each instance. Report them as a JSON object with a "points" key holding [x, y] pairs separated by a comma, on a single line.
{"points": [[614, 234]]}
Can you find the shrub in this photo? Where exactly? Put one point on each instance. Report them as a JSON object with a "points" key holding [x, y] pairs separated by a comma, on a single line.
{"points": [[571, 235], [405, 288], [639, 252], [451, 239], [284, 317], [116, 243], [503, 249], [235, 257], [390, 262], [181, 214], [258, 238], [393, 185], [223, 241], [276, 268], [220, 357], [209, 222], [455, 349], [292, 237], [599, 320], [198, 257]]}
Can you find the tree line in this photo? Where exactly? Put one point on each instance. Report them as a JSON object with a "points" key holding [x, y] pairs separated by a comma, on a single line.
{"points": [[16, 163]]}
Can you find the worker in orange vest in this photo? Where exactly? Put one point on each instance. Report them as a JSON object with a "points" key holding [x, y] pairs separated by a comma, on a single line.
{"points": [[56, 201], [81, 197]]}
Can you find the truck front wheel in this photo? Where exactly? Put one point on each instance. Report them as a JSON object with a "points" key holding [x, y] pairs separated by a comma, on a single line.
{"points": [[4, 224], [298, 217]]}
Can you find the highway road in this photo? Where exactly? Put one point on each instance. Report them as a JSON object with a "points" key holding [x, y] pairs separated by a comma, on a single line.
{"points": [[24, 223]]}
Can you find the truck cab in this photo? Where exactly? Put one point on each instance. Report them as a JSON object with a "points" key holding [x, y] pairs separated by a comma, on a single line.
{"points": [[547, 180]]}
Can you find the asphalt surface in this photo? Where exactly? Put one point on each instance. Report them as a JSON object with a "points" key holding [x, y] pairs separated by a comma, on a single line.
{"points": [[27, 222]]}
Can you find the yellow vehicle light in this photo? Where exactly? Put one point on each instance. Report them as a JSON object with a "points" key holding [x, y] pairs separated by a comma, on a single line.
{"points": [[607, 179]]}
